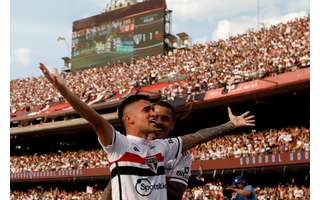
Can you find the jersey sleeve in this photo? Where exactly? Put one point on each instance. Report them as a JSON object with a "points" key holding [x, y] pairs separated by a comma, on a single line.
{"points": [[172, 148], [181, 169], [118, 146], [168, 166]]}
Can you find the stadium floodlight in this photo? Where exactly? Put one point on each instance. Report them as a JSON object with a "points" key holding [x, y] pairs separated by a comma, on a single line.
{"points": [[66, 59], [60, 39]]}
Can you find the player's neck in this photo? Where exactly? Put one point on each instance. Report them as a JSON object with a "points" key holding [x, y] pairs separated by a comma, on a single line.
{"points": [[136, 133]]}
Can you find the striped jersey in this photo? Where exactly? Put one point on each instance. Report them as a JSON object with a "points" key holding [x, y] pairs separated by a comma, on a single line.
{"points": [[179, 170], [137, 166]]}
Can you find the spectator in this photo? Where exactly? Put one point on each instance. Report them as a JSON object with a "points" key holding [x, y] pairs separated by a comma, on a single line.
{"points": [[229, 146], [243, 190], [224, 63]]}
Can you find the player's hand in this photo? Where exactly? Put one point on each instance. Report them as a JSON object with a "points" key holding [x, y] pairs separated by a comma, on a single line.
{"points": [[53, 77], [243, 120]]}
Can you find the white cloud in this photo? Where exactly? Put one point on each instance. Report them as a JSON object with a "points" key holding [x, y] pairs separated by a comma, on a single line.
{"points": [[284, 18], [212, 10], [298, 5], [270, 8], [21, 56], [205, 9], [227, 28]]}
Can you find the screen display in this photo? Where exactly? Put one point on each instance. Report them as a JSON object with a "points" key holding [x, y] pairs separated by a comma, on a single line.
{"points": [[118, 41]]}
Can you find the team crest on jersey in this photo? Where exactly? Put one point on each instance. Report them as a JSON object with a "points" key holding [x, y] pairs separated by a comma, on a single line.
{"points": [[152, 163]]}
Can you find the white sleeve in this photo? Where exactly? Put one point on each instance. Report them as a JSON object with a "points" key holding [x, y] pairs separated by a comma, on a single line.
{"points": [[118, 146], [168, 167], [181, 169], [172, 148]]}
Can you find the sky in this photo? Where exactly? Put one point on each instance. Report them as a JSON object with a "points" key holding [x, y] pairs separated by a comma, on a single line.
{"points": [[36, 24]]}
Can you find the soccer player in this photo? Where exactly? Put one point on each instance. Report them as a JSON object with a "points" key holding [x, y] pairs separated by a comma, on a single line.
{"points": [[137, 164], [177, 171]]}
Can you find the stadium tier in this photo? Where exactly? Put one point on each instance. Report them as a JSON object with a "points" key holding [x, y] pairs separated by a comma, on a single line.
{"points": [[215, 191], [182, 73], [263, 147], [209, 191]]}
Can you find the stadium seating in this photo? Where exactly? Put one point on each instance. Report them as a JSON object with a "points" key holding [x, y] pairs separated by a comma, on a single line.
{"points": [[188, 72], [230, 146]]}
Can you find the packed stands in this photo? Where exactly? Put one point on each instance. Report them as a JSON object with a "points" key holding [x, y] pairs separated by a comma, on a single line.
{"points": [[55, 193], [209, 191], [230, 146], [260, 142], [214, 191], [58, 161], [224, 63]]}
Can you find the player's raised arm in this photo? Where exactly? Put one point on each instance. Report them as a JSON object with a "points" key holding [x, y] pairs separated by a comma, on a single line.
{"points": [[204, 135], [101, 126]]}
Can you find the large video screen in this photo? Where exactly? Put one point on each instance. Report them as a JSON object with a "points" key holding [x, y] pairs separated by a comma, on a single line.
{"points": [[118, 41]]}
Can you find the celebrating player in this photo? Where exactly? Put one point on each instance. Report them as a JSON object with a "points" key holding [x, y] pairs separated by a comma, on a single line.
{"points": [[137, 164], [177, 171]]}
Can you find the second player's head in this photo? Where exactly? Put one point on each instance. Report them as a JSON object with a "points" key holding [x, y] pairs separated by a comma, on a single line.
{"points": [[164, 116]]}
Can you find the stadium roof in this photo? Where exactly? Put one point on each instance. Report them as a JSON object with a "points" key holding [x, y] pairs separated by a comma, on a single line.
{"points": [[183, 35], [171, 37]]}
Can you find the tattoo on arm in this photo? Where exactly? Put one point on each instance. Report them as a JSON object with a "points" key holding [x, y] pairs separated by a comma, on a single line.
{"points": [[204, 135], [175, 190]]}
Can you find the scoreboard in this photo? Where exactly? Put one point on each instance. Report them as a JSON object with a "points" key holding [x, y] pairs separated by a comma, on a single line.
{"points": [[117, 37]]}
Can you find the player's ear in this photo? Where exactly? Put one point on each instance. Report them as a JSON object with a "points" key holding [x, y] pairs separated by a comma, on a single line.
{"points": [[127, 119]]}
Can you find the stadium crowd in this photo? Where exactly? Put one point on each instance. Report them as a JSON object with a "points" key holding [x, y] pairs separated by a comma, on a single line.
{"points": [[230, 146], [214, 191], [67, 160], [254, 143], [223, 63], [54, 194], [210, 191]]}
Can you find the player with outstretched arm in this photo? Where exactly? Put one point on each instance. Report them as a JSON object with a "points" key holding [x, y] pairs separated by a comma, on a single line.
{"points": [[137, 164]]}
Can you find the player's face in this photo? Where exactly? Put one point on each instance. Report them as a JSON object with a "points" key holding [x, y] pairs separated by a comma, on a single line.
{"points": [[164, 120], [143, 117]]}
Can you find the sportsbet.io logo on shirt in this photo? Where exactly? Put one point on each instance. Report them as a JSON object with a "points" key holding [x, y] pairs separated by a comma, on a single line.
{"points": [[184, 174], [144, 187]]}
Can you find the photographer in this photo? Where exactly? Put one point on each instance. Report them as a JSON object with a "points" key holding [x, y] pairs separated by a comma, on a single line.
{"points": [[243, 190]]}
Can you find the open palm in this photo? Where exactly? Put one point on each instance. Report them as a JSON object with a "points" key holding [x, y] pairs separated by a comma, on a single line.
{"points": [[53, 77], [242, 120]]}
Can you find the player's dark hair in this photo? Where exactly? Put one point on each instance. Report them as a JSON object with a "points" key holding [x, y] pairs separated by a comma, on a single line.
{"points": [[165, 104], [129, 100]]}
